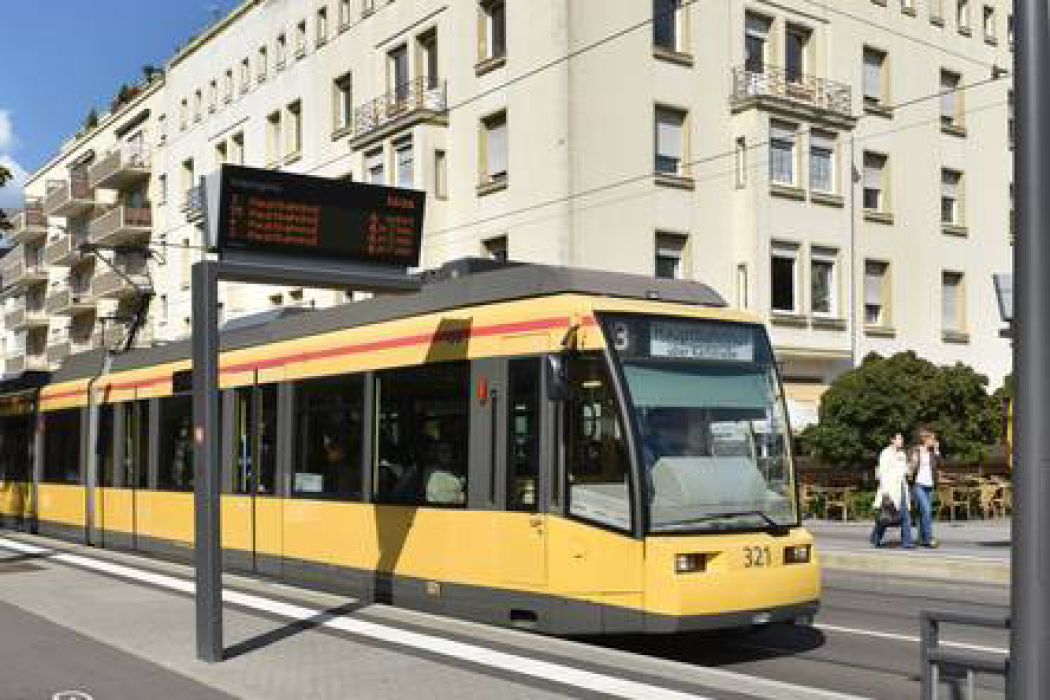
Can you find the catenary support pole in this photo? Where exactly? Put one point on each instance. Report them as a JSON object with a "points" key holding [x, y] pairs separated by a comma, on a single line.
{"points": [[206, 482], [1030, 588]]}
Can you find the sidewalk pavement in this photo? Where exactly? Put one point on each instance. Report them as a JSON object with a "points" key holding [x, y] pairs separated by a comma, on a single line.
{"points": [[975, 551]]}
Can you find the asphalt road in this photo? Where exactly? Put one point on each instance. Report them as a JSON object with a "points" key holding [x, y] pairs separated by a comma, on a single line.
{"points": [[864, 641]]}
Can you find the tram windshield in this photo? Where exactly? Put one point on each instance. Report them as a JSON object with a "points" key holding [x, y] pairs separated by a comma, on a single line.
{"points": [[711, 418]]}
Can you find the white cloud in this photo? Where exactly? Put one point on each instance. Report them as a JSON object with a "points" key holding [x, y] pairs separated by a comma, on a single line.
{"points": [[11, 194]]}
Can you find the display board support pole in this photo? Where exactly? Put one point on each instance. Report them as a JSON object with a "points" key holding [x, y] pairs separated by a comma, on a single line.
{"points": [[207, 462]]}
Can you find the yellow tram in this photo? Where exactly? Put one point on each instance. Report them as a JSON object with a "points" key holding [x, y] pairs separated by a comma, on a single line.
{"points": [[570, 451]]}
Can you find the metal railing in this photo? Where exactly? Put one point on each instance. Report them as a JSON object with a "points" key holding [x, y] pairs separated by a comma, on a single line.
{"points": [[770, 81], [32, 215], [418, 95], [933, 657], [126, 156]]}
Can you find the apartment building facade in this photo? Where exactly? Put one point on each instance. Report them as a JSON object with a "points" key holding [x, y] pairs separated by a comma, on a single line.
{"points": [[839, 168]]}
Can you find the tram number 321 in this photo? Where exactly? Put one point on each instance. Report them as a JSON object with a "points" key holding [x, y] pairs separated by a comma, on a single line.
{"points": [[757, 556]]}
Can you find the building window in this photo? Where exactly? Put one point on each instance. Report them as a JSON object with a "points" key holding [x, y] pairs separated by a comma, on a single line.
{"points": [[953, 315], [227, 86], [782, 156], [428, 59], [937, 11], [962, 15], [742, 296], [1010, 30], [300, 39], [495, 248], [322, 25], [951, 197], [951, 100], [782, 278], [295, 129], [342, 102], [375, 171], [162, 188], [823, 297], [796, 51], [740, 164], [756, 37], [493, 30], [273, 138], [213, 95], [822, 162], [875, 184], [198, 102], [908, 7], [282, 50], [876, 293], [397, 67], [237, 148], [184, 114], [188, 181], [494, 148], [403, 166], [875, 80], [261, 68], [329, 425], [344, 13], [162, 124], [221, 154], [669, 25], [440, 175], [989, 23], [246, 75], [669, 261], [670, 141]]}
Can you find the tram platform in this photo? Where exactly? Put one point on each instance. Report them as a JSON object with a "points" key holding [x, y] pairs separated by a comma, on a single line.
{"points": [[975, 551], [83, 623]]}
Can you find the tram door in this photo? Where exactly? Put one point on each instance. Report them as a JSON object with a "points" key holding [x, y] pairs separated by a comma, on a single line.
{"points": [[123, 469], [252, 513], [521, 545]]}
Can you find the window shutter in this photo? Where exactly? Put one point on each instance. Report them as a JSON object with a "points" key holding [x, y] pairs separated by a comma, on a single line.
{"points": [[497, 149]]}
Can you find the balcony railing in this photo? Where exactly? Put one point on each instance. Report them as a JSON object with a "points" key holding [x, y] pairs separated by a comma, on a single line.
{"points": [[754, 85], [22, 316], [69, 198], [64, 249], [22, 268], [120, 224], [69, 300], [121, 167], [417, 99], [127, 280], [18, 364], [58, 351], [30, 223]]}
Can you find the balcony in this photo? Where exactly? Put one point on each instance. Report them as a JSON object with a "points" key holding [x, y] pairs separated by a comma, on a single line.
{"points": [[22, 268], [121, 224], [808, 96], [417, 101], [23, 316], [58, 351], [69, 199], [129, 279], [29, 224], [64, 250], [67, 300], [26, 363], [122, 167]]}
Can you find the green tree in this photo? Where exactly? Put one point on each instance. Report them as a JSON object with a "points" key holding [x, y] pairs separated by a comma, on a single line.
{"points": [[864, 407]]}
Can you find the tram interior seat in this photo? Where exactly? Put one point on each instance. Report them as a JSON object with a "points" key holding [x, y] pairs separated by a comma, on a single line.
{"points": [[681, 485], [603, 502]]}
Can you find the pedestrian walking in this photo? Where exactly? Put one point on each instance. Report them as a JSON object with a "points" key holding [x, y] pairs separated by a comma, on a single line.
{"points": [[892, 493], [924, 462]]}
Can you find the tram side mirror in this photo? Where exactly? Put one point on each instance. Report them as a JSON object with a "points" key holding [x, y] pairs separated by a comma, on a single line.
{"points": [[556, 376]]}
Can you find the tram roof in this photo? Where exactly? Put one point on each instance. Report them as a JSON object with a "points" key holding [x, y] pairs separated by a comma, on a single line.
{"points": [[458, 284]]}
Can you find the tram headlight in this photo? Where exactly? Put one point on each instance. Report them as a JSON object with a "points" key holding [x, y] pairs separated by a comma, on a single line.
{"points": [[689, 563], [799, 554]]}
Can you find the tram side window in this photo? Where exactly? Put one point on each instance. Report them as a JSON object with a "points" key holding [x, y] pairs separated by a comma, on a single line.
{"points": [[523, 444], [254, 438], [175, 471], [422, 444], [598, 463], [16, 434], [104, 445], [62, 447], [135, 468], [329, 425]]}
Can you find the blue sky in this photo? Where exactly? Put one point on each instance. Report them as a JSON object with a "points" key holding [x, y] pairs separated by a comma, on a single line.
{"points": [[60, 59]]}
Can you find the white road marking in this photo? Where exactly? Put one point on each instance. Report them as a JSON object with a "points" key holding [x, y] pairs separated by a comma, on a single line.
{"points": [[512, 663], [909, 638]]}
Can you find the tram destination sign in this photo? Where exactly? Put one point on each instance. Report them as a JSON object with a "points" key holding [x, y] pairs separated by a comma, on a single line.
{"points": [[291, 215]]}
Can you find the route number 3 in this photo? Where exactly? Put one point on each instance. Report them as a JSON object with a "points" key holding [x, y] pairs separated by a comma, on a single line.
{"points": [[757, 556]]}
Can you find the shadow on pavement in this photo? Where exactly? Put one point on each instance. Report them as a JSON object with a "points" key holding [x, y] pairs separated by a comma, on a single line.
{"points": [[289, 630], [19, 558]]}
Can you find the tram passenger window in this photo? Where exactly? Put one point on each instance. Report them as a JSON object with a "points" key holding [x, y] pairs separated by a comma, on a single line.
{"points": [[329, 425], [598, 464], [135, 467], [523, 444], [62, 447], [16, 449], [422, 443], [104, 445], [175, 472], [254, 438]]}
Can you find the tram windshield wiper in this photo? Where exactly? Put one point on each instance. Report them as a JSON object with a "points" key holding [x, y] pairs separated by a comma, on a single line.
{"points": [[773, 526]]}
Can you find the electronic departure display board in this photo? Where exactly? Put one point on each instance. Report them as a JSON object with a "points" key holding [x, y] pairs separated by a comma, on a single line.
{"points": [[266, 211]]}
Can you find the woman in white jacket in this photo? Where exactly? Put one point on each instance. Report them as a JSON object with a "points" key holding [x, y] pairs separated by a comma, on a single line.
{"points": [[892, 474]]}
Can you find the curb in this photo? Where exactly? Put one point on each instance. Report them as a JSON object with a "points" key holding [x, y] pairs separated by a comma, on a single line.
{"points": [[907, 564]]}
